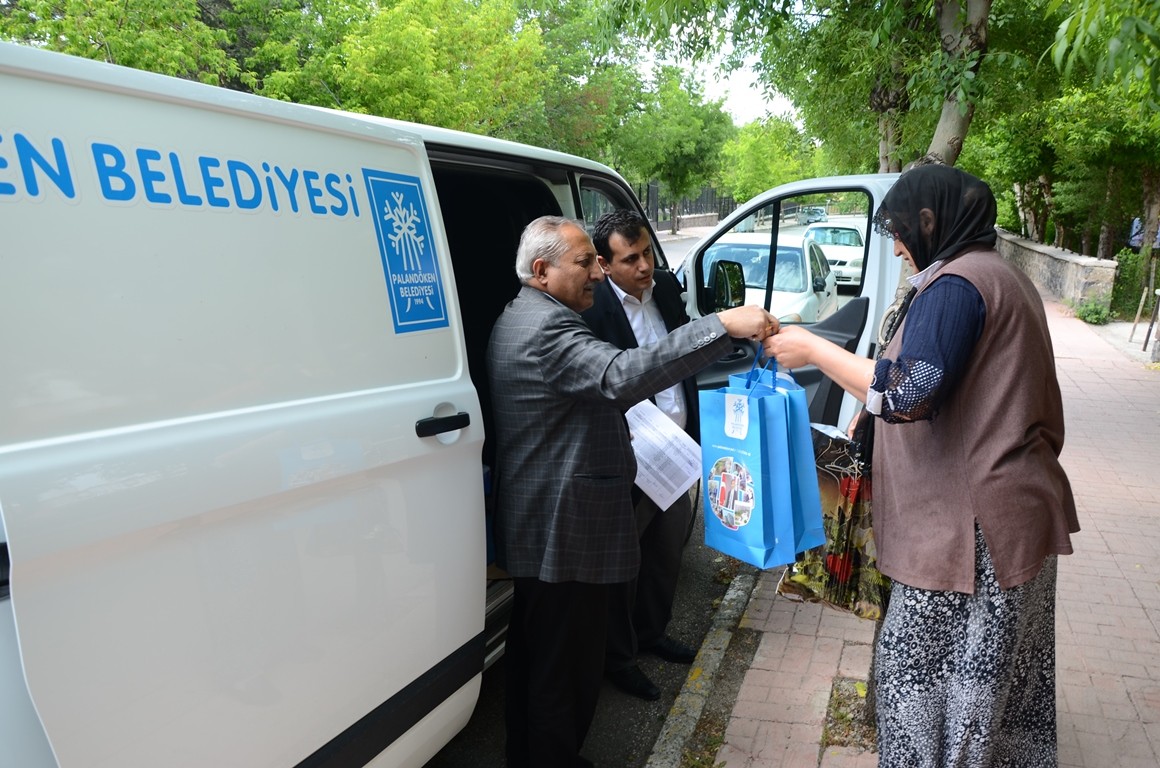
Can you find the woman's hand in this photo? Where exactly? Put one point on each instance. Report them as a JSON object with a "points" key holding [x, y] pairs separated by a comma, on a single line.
{"points": [[793, 346]]}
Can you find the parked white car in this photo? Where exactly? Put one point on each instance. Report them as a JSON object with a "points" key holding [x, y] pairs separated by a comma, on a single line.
{"points": [[844, 249], [769, 218], [804, 288]]}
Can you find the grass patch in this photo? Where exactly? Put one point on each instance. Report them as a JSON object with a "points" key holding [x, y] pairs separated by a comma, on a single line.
{"points": [[708, 737], [706, 742], [847, 721]]}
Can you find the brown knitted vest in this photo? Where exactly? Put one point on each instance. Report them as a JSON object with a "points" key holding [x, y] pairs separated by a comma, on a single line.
{"points": [[990, 454]]}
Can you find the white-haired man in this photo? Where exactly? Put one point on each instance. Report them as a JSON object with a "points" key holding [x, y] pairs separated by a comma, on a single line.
{"points": [[565, 527]]}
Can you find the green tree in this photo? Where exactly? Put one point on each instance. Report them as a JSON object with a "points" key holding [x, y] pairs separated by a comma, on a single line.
{"points": [[1093, 147], [897, 56], [459, 64], [166, 36], [290, 49], [1008, 144], [1119, 38], [593, 83], [764, 154], [677, 137]]}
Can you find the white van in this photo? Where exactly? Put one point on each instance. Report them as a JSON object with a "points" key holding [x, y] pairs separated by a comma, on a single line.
{"points": [[243, 419], [242, 456]]}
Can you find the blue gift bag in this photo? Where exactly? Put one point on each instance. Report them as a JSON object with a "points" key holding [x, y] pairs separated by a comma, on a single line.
{"points": [[760, 485]]}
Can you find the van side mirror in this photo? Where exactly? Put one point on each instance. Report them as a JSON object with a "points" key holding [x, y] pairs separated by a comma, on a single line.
{"points": [[819, 284], [726, 285]]}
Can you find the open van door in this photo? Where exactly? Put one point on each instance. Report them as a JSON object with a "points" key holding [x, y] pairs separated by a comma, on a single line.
{"points": [[240, 469], [783, 274]]}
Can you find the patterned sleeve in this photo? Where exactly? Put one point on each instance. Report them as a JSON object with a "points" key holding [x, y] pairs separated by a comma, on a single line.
{"points": [[941, 329]]}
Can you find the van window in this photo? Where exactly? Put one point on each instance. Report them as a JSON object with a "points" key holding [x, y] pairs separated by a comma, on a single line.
{"points": [[595, 203], [599, 196]]}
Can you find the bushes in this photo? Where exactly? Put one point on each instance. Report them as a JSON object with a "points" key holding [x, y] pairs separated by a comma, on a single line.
{"points": [[1130, 280], [1094, 311]]}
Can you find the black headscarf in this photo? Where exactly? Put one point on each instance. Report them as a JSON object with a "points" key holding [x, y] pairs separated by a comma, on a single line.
{"points": [[962, 213]]}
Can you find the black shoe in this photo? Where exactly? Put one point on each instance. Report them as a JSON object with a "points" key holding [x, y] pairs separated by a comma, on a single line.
{"points": [[671, 650], [632, 681]]}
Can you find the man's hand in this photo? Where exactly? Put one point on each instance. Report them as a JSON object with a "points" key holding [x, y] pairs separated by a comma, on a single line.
{"points": [[748, 322]]}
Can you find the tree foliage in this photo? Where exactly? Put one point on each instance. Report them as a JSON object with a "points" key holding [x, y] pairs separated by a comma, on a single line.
{"points": [[166, 36], [876, 61], [677, 137], [764, 154], [289, 49], [1119, 39], [453, 63], [593, 84]]}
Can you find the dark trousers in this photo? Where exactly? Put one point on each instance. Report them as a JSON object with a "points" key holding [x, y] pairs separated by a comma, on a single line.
{"points": [[553, 663], [639, 610]]}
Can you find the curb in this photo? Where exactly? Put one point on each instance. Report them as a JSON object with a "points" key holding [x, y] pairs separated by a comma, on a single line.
{"points": [[690, 702]]}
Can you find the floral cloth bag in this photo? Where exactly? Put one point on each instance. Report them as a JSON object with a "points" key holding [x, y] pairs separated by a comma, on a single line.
{"points": [[841, 572]]}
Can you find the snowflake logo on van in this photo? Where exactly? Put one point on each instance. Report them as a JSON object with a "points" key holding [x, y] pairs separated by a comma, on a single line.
{"points": [[406, 249], [405, 237]]}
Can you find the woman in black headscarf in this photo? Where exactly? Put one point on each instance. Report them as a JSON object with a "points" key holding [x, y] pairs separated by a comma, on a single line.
{"points": [[971, 505]]}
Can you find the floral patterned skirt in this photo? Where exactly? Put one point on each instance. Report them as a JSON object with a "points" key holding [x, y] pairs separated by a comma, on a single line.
{"points": [[969, 680]]}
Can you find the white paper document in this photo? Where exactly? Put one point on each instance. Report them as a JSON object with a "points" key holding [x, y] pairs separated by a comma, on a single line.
{"points": [[668, 461]]}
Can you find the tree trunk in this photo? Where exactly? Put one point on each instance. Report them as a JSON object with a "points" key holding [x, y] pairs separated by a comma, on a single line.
{"points": [[1048, 195], [1151, 181], [1029, 212], [889, 98], [1106, 247], [962, 40], [888, 161], [947, 143]]}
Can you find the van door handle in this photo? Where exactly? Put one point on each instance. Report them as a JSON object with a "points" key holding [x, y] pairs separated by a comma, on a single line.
{"points": [[438, 424]]}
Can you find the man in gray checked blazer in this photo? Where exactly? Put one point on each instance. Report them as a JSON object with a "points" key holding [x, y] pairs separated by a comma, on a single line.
{"points": [[565, 527]]}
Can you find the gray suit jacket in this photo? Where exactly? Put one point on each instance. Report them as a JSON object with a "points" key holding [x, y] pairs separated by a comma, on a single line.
{"points": [[564, 462]]}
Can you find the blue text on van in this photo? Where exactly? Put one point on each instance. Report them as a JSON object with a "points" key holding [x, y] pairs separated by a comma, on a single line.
{"points": [[168, 179]]}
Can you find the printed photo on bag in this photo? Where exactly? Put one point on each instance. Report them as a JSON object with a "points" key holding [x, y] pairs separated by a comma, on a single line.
{"points": [[730, 491]]}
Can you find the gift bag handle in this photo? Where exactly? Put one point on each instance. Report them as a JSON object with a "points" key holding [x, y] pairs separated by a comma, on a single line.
{"points": [[755, 371]]}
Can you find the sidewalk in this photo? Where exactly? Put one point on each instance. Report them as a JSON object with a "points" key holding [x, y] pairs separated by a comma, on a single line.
{"points": [[1108, 604]]}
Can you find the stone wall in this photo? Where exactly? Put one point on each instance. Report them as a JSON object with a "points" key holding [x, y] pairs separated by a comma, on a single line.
{"points": [[692, 220], [1067, 276]]}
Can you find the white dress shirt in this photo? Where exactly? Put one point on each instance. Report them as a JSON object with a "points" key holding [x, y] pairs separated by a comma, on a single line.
{"points": [[649, 327]]}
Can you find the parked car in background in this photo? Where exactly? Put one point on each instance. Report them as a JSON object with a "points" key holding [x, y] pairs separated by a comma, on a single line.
{"points": [[771, 218], [807, 214], [844, 249], [804, 289]]}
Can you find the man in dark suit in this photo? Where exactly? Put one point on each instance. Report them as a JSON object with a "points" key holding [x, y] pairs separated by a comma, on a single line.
{"points": [[635, 307], [565, 527]]}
